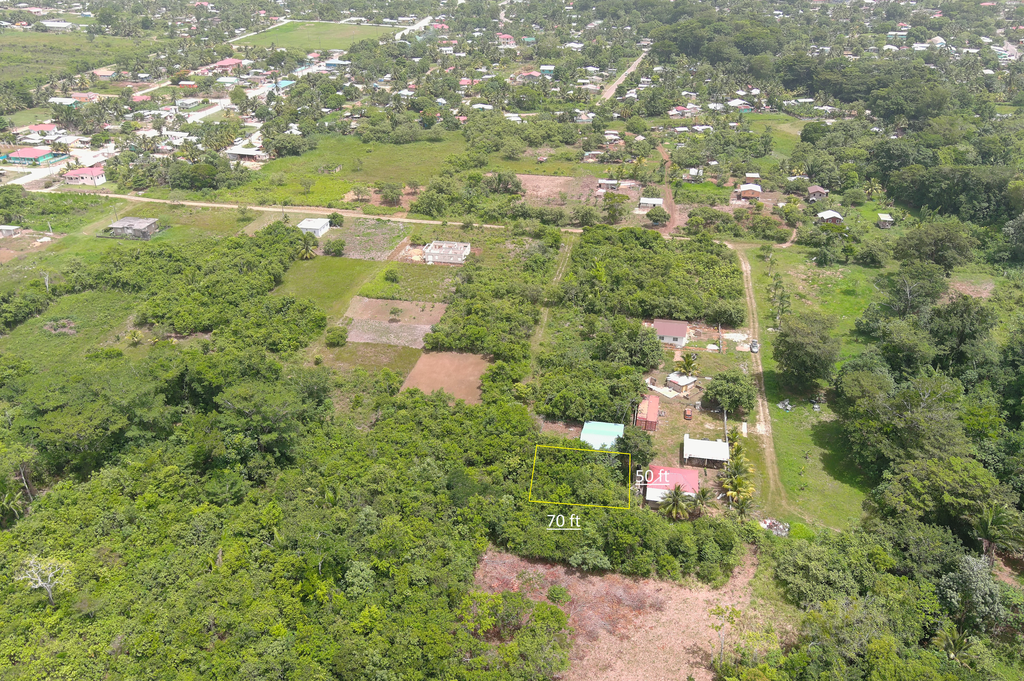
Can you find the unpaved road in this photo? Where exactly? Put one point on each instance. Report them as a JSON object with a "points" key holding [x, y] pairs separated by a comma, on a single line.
{"points": [[317, 210], [764, 421], [609, 91]]}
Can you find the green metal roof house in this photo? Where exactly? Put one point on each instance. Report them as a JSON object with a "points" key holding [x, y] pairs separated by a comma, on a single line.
{"points": [[601, 435]]}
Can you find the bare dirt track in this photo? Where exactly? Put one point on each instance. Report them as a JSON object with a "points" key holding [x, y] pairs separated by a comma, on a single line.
{"points": [[457, 373], [641, 630]]}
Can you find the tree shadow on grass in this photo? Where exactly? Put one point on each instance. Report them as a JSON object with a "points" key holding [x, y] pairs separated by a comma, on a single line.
{"points": [[837, 458]]}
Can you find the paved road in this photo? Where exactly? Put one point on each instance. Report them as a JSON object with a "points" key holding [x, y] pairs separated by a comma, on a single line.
{"points": [[609, 91]]}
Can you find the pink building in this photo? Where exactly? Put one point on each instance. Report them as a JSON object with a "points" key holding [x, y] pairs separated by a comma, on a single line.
{"points": [[90, 176], [505, 40]]}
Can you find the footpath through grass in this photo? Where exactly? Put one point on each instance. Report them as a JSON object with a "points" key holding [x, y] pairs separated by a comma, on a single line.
{"points": [[810, 448]]}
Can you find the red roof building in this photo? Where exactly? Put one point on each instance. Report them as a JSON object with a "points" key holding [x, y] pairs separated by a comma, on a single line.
{"points": [[43, 127], [671, 332], [662, 479], [647, 413]]}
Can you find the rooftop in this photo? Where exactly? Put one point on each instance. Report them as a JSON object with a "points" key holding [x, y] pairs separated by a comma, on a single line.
{"points": [[665, 478], [670, 327], [600, 435], [712, 450]]}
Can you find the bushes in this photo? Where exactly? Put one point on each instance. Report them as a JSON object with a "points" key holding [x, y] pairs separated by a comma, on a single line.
{"points": [[337, 336], [334, 247]]}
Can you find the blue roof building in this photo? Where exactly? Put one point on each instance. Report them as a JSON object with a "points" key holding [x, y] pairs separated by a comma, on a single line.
{"points": [[599, 435]]}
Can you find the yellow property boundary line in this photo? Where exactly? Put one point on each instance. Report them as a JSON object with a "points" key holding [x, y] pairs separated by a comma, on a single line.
{"points": [[629, 496]]}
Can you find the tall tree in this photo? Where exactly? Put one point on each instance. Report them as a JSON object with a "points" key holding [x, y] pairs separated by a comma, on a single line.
{"points": [[805, 349]]}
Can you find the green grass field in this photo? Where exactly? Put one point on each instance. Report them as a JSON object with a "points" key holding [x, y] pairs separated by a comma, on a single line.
{"points": [[191, 222], [30, 54], [95, 316], [314, 36], [30, 116], [329, 282], [416, 282], [785, 131], [809, 445]]}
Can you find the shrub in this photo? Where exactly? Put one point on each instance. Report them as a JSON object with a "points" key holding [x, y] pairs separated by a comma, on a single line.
{"points": [[335, 247], [559, 594], [337, 336], [391, 276]]}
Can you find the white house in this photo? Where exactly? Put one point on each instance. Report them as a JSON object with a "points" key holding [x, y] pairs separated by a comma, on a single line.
{"points": [[648, 202], [671, 332], [315, 226]]}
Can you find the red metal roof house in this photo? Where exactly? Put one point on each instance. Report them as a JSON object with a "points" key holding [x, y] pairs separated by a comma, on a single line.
{"points": [[647, 413], [663, 479]]}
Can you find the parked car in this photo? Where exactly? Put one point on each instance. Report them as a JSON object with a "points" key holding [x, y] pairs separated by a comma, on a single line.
{"points": [[688, 414], [755, 346]]}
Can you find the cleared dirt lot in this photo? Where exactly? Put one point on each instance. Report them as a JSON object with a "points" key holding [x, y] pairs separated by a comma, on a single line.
{"points": [[373, 321], [374, 331], [380, 310], [643, 630], [457, 373]]}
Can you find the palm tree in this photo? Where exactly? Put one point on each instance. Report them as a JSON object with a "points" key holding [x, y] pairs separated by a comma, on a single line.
{"points": [[675, 504], [956, 644], [307, 251], [874, 188], [703, 501], [687, 364], [999, 528], [743, 507]]}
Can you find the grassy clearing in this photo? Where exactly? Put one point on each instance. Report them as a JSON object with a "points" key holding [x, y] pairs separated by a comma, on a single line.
{"points": [[329, 282], [314, 36], [368, 356], [279, 181], [785, 131], [30, 54], [191, 222], [809, 446], [30, 116], [416, 282], [700, 194], [95, 317]]}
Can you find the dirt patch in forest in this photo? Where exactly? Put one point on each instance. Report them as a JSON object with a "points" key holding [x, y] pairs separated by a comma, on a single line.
{"points": [[982, 289], [457, 373], [567, 429], [644, 630], [547, 190], [415, 313]]}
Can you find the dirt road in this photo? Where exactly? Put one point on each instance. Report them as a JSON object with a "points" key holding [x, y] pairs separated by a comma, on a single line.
{"points": [[609, 91], [775, 489], [667, 195], [316, 210]]}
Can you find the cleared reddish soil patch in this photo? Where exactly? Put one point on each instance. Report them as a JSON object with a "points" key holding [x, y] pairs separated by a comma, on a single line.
{"points": [[384, 333], [457, 373], [380, 310], [979, 290], [642, 630], [569, 429]]}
